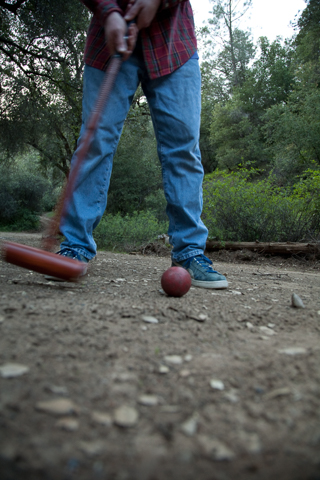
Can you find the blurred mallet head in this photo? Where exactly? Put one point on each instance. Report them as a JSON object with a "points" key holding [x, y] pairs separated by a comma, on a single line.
{"points": [[176, 281]]}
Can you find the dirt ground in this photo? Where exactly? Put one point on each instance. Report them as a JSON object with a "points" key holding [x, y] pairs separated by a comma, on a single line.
{"points": [[225, 386]]}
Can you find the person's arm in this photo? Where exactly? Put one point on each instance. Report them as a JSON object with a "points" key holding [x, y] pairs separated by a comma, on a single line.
{"points": [[144, 11]]}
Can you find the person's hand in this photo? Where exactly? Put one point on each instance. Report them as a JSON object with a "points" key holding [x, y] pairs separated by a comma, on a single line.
{"points": [[143, 11], [116, 30]]}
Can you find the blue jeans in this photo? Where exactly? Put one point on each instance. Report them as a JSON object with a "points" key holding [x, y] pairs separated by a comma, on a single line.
{"points": [[175, 103]]}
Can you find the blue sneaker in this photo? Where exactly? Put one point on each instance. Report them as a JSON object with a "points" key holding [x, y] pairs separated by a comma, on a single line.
{"points": [[69, 253], [201, 272]]}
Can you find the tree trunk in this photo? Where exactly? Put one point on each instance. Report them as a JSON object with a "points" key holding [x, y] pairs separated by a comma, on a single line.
{"points": [[275, 248]]}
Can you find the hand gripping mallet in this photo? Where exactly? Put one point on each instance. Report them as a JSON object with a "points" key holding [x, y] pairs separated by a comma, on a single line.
{"points": [[43, 261]]}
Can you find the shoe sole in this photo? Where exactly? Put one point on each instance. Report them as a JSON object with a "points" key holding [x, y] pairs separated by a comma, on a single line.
{"points": [[205, 284]]}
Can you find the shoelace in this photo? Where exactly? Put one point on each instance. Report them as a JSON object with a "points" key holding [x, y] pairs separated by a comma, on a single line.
{"points": [[206, 263], [65, 252]]}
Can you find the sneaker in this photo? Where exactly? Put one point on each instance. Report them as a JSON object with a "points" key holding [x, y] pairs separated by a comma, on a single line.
{"points": [[201, 272], [69, 253]]}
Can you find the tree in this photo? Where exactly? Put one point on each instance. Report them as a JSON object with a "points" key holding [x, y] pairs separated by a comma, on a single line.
{"points": [[228, 50], [41, 64], [237, 125], [308, 37], [136, 171], [227, 54], [293, 129], [292, 126]]}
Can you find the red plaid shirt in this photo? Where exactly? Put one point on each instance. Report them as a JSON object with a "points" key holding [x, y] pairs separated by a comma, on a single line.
{"points": [[167, 43]]}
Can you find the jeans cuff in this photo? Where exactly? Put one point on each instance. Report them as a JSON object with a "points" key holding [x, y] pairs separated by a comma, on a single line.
{"points": [[194, 253]]}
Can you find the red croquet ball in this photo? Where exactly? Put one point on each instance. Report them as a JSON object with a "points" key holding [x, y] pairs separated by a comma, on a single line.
{"points": [[176, 281]]}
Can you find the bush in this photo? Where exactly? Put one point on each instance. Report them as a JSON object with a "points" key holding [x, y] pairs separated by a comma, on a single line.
{"points": [[129, 232], [237, 208], [24, 221], [22, 191], [156, 203]]}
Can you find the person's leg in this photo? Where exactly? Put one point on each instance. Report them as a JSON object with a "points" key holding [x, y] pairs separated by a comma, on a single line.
{"points": [[175, 105], [89, 198]]}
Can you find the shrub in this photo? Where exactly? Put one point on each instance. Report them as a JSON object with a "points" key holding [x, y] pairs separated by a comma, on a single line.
{"points": [[21, 197], [156, 203], [128, 232], [239, 208]]}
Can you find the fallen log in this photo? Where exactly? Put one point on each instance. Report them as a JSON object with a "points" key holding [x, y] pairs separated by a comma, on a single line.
{"points": [[274, 248]]}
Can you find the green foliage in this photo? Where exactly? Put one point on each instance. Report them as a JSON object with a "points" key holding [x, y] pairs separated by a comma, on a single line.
{"points": [[24, 193], [292, 129], [227, 53], [235, 137], [239, 207], [237, 125], [307, 192], [228, 49], [308, 38], [41, 64], [129, 232], [156, 203], [136, 182], [270, 78], [136, 174]]}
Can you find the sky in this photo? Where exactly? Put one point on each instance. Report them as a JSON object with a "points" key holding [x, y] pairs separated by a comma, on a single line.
{"points": [[266, 18]]}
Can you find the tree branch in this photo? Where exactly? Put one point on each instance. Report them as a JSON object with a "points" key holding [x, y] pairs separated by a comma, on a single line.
{"points": [[43, 56], [11, 7]]}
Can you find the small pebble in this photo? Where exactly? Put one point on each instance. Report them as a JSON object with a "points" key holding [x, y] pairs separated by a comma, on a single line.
{"points": [[188, 358], [148, 400], [215, 449], [68, 424], [189, 427], [184, 373], [125, 417], [149, 319], [1, 318], [267, 331], [296, 301], [92, 448], [11, 370], [201, 317], [249, 325], [163, 369], [173, 359], [170, 408], [216, 384], [58, 390], [59, 406], [102, 418], [231, 396], [293, 351]]}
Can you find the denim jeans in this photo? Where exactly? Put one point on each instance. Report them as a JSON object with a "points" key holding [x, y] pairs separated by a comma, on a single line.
{"points": [[175, 103]]}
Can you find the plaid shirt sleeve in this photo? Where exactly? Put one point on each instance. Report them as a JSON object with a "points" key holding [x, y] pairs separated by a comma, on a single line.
{"points": [[167, 43], [102, 8]]}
